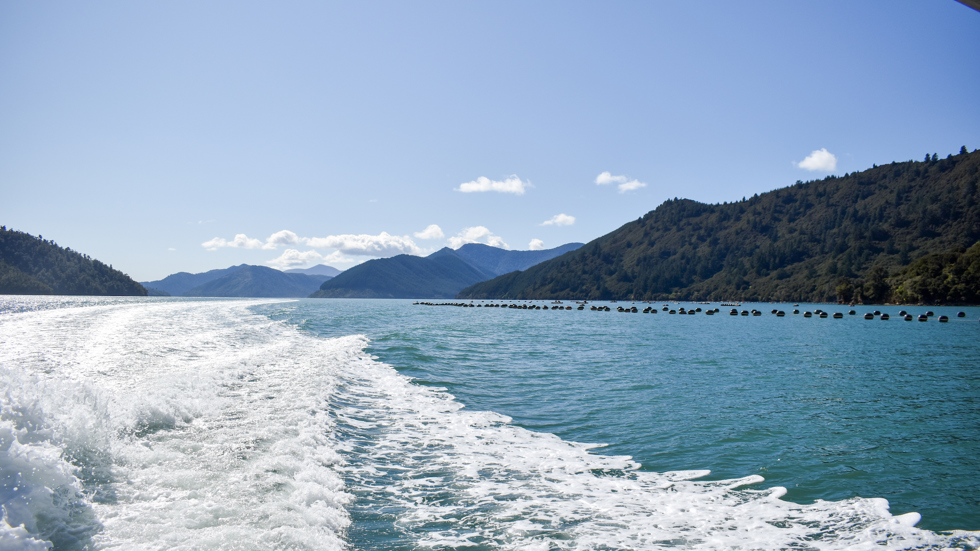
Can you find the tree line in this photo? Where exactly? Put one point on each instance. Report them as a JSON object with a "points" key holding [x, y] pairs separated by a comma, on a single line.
{"points": [[34, 266]]}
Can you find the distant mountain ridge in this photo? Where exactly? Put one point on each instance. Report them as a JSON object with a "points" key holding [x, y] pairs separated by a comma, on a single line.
{"points": [[33, 266], [439, 275], [258, 281], [243, 280], [179, 283], [841, 238], [319, 269]]}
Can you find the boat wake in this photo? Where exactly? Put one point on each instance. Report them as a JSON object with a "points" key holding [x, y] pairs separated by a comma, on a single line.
{"points": [[202, 425]]}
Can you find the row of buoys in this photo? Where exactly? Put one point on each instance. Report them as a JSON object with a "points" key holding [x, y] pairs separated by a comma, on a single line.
{"points": [[682, 311]]}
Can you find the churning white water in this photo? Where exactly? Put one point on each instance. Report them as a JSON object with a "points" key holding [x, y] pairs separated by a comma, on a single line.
{"points": [[168, 426], [202, 425]]}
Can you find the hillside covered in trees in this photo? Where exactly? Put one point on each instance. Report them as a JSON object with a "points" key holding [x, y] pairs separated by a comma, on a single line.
{"points": [[34, 266], [442, 274], [898, 232]]}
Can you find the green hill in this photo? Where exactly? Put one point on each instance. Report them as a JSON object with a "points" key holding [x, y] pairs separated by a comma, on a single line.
{"points": [[801, 243], [33, 266], [442, 274], [257, 281], [179, 283], [403, 276]]}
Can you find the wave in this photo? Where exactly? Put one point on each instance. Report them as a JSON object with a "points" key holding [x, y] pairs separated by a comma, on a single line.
{"points": [[202, 425], [169, 425]]}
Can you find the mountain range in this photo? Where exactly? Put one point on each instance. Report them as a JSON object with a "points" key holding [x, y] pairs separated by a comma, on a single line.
{"points": [[242, 281], [442, 274], [863, 236]]}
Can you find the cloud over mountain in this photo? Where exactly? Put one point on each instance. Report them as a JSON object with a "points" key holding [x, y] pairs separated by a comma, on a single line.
{"points": [[477, 234], [431, 232], [819, 160]]}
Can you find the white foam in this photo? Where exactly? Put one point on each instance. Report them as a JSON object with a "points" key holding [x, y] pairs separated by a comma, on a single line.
{"points": [[167, 425], [454, 478], [198, 425]]}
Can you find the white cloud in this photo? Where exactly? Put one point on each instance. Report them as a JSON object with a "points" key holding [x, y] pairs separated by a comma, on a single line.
{"points": [[474, 235], [292, 257], [431, 232], [607, 178], [559, 220], [625, 184], [381, 245], [241, 241], [283, 237], [513, 184], [630, 186], [338, 257], [536, 245], [171, 249], [821, 160]]}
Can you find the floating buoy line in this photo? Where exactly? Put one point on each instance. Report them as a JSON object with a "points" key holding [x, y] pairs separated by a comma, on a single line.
{"points": [[680, 310]]}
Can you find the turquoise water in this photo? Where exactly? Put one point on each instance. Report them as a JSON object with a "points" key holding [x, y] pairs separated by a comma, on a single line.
{"points": [[161, 423], [827, 408]]}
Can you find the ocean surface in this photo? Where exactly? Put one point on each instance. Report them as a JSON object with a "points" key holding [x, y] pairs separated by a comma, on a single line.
{"points": [[370, 424]]}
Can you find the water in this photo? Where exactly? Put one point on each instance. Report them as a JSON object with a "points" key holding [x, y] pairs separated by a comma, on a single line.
{"points": [[332, 424]]}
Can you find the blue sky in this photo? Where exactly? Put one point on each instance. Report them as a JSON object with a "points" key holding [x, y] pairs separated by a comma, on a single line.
{"points": [[150, 135]]}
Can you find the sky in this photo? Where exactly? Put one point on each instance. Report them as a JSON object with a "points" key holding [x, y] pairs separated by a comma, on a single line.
{"points": [[185, 136]]}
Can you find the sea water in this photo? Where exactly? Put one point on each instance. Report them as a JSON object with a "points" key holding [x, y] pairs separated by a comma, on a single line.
{"points": [[360, 424]]}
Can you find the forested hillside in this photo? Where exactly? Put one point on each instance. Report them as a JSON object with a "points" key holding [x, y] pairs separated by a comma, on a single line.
{"points": [[34, 266], [403, 276], [442, 274], [257, 281], [806, 242]]}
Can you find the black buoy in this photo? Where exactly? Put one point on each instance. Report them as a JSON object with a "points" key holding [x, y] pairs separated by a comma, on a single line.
{"points": [[908, 317], [877, 312], [838, 315], [709, 312], [823, 314], [851, 312], [807, 314], [796, 311], [929, 314], [869, 316], [961, 315], [923, 317], [943, 319], [884, 316], [672, 312], [780, 313], [734, 312], [903, 313], [745, 312]]}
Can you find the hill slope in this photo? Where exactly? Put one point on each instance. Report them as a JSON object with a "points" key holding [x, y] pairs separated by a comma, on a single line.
{"points": [[403, 276], [442, 274], [258, 281], [499, 261], [797, 243], [319, 269], [32, 266], [181, 282]]}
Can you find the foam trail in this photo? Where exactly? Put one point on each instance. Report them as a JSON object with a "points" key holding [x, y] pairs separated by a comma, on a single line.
{"points": [[199, 425], [193, 425], [451, 478]]}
